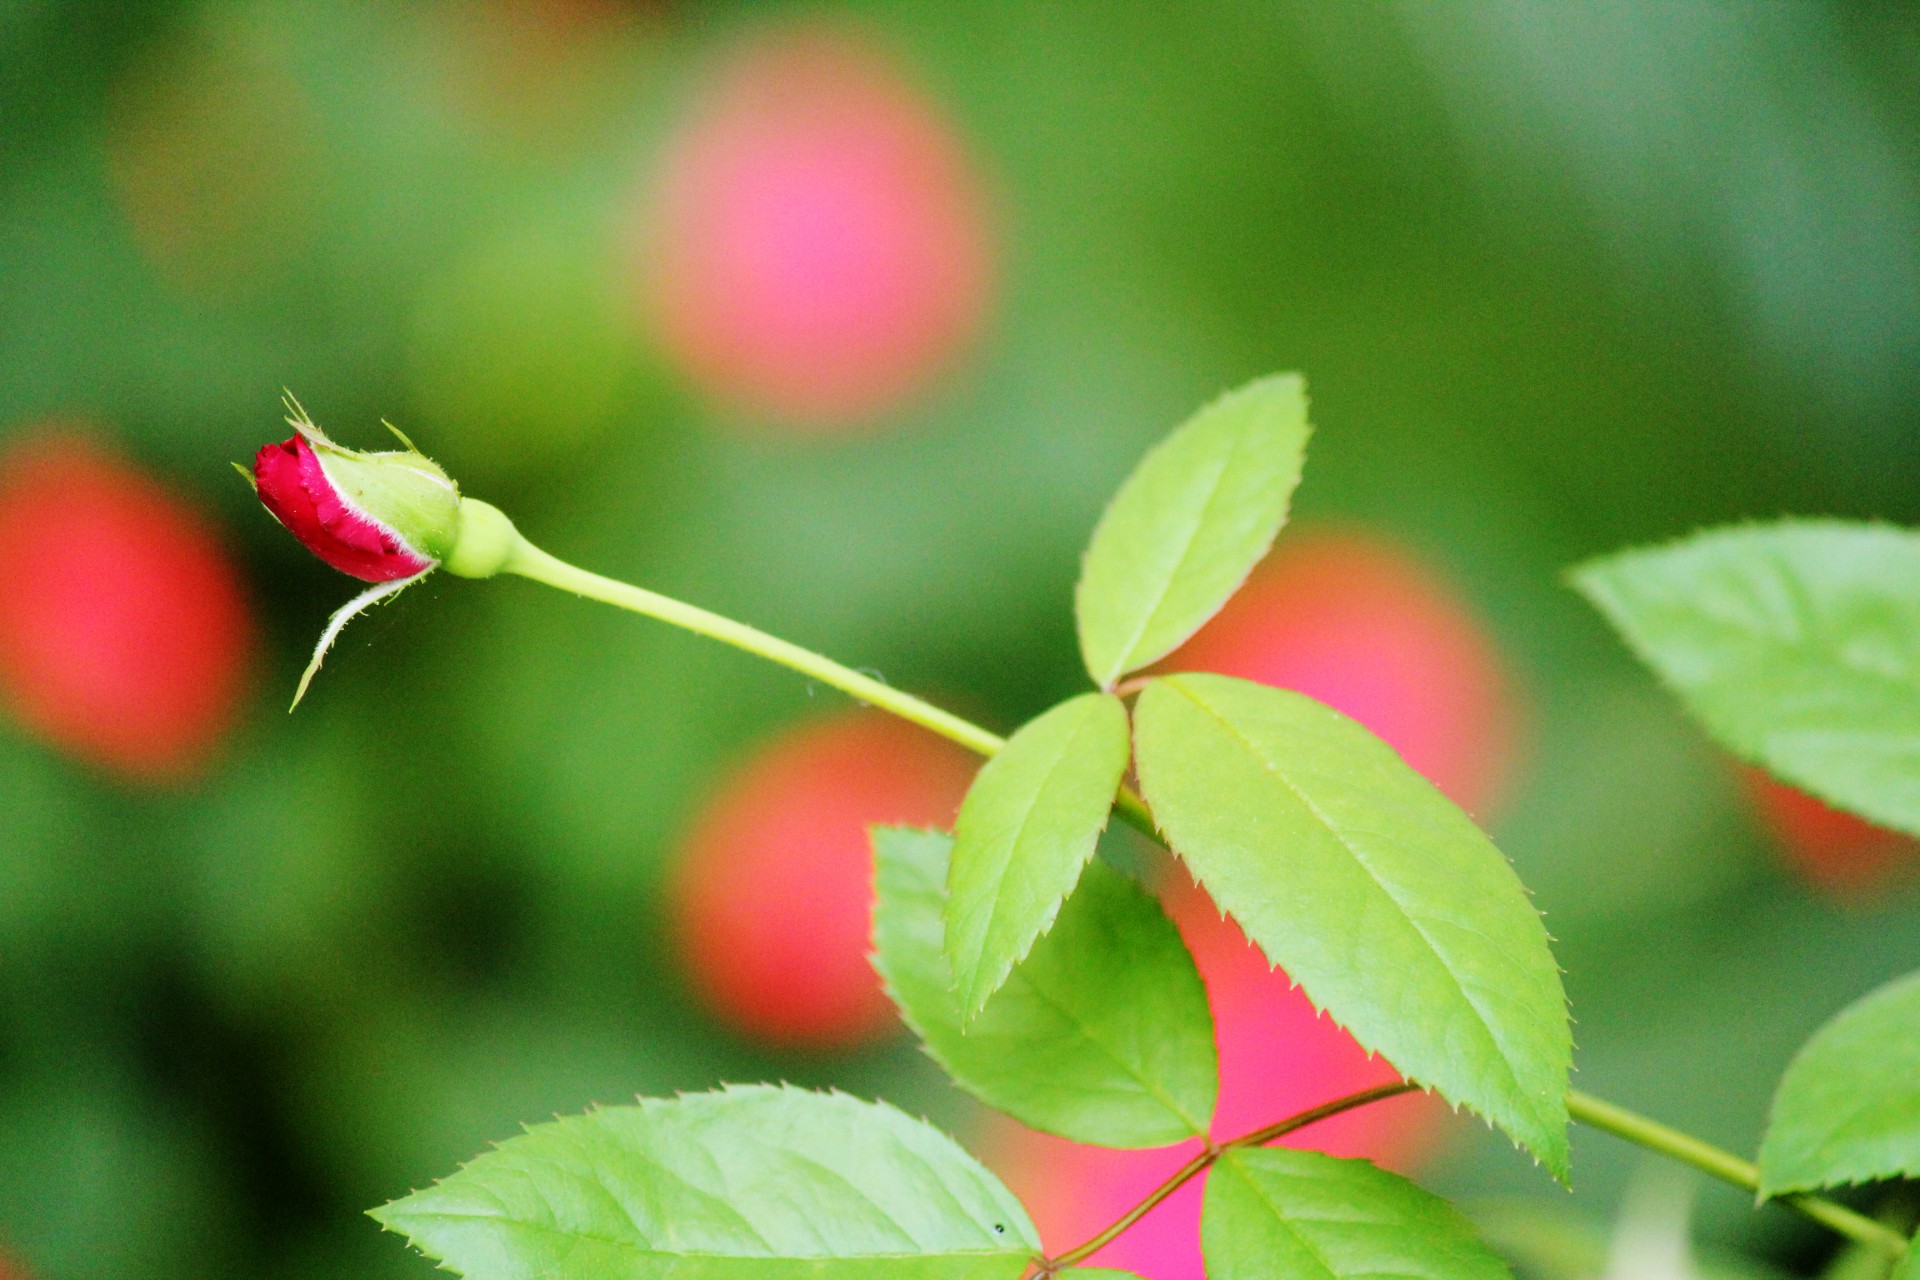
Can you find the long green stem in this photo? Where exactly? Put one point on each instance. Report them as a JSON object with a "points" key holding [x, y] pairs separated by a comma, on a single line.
{"points": [[529, 561], [1727, 1167]]}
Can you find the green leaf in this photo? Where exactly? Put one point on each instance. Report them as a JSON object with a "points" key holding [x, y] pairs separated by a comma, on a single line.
{"points": [[758, 1181], [1848, 1108], [1796, 644], [1189, 524], [1370, 888], [1275, 1212], [1102, 1035], [1029, 824]]}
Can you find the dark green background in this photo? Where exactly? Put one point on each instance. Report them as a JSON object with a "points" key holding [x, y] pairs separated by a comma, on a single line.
{"points": [[1562, 278]]}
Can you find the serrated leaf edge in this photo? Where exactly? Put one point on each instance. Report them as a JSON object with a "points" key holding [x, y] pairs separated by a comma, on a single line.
{"points": [[383, 1214], [1769, 1190], [1584, 578], [1198, 1128], [971, 1007], [1557, 1159], [1124, 659]]}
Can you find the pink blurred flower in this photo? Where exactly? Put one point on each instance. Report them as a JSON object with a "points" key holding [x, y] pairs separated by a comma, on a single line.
{"points": [[1357, 621], [1354, 620], [818, 251]]}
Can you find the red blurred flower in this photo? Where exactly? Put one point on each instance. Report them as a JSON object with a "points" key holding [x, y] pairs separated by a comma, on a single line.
{"points": [[1833, 850], [1357, 621], [772, 899], [124, 634], [818, 249]]}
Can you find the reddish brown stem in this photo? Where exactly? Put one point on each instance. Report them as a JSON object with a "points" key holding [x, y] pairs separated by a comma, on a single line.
{"points": [[1204, 1160]]}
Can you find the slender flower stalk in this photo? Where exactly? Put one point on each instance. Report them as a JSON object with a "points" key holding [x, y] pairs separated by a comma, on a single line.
{"points": [[497, 547], [391, 518], [531, 562]]}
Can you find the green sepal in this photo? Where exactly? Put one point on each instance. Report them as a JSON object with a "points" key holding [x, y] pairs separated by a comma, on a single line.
{"points": [[401, 488]]}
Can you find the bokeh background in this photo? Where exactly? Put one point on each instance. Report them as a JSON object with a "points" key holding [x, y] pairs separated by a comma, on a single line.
{"points": [[845, 321]]}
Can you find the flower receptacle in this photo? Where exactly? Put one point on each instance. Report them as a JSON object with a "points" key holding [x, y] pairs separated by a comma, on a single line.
{"points": [[486, 541]]}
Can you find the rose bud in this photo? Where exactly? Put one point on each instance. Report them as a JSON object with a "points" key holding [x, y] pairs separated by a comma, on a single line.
{"points": [[389, 518], [377, 516]]}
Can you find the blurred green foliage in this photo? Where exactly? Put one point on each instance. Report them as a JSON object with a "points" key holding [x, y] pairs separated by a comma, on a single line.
{"points": [[1562, 280]]}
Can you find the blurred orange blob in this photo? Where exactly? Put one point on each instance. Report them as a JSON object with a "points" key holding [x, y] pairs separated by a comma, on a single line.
{"points": [[211, 148], [772, 899], [1833, 850], [1278, 1057], [1361, 624], [536, 73], [818, 251], [125, 637]]}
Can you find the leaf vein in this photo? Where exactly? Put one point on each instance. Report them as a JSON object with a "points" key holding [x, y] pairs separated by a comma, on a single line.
{"points": [[1415, 922], [1189, 539]]}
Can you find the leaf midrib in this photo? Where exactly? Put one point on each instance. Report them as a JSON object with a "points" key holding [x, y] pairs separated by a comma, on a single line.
{"points": [[1179, 1112], [968, 1011], [1764, 650], [931, 888], [1214, 486], [1479, 1015], [1281, 1219], [1837, 1131], [520, 1224]]}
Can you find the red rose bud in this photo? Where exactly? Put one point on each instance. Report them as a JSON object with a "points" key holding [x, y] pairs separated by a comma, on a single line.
{"points": [[378, 516], [386, 518]]}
